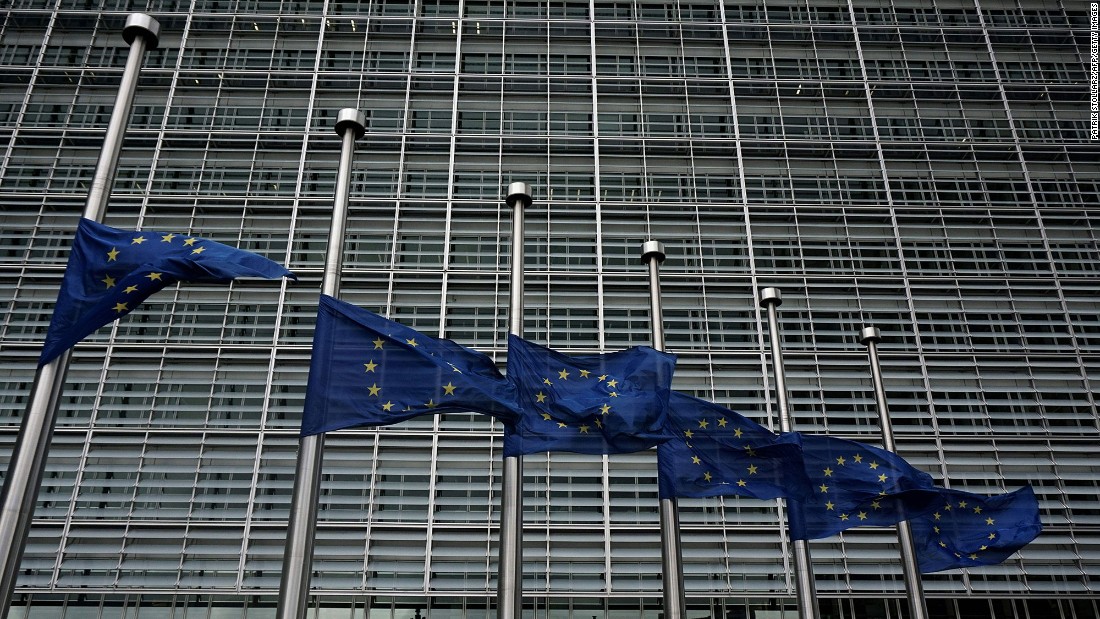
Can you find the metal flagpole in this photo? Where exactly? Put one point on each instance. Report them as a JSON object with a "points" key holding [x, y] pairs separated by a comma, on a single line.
{"points": [[672, 571], [298, 552], [808, 608], [510, 564], [24, 473], [918, 609]]}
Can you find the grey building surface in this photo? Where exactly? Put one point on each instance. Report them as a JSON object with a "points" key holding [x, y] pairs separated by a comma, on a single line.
{"points": [[923, 166]]}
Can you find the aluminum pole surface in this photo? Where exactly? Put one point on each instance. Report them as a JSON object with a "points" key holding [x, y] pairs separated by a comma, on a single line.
{"points": [[301, 530], [672, 562], [510, 563], [808, 608], [918, 608], [28, 461]]}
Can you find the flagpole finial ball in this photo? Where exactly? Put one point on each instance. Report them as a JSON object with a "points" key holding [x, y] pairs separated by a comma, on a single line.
{"points": [[351, 118], [869, 334], [519, 192], [653, 249], [142, 24], [771, 295]]}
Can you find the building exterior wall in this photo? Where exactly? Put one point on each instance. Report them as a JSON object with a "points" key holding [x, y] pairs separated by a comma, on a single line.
{"points": [[923, 166]]}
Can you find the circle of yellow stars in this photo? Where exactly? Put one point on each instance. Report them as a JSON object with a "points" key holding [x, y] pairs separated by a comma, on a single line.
{"points": [[842, 462], [114, 253], [374, 368], [721, 424], [975, 511], [605, 409]]}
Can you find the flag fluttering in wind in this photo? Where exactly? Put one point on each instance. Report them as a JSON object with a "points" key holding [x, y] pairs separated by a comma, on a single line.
{"points": [[970, 530], [591, 404], [367, 370], [713, 451], [853, 484], [110, 272]]}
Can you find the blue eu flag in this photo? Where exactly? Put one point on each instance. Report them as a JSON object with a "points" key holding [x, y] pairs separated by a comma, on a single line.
{"points": [[970, 530], [853, 484], [713, 451], [111, 271], [367, 370], [589, 404]]}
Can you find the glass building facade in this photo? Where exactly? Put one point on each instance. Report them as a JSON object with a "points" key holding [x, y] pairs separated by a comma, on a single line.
{"points": [[923, 166]]}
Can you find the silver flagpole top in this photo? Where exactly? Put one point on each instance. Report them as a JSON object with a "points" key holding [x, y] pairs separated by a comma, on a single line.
{"points": [[519, 192], [653, 249], [869, 334], [142, 24], [771, 295], [351, 118]]}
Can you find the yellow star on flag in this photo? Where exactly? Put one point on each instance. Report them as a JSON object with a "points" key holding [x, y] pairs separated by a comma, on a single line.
{"points": [[110, 281], [137, 240], [120, 307], [449, 389], [112, 255]]}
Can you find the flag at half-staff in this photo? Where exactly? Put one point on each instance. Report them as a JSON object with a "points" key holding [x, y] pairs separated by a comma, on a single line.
{"points": [[367, 370], [591, 404], [111, 271], [971, 530], [854, 484], [714, 451]]}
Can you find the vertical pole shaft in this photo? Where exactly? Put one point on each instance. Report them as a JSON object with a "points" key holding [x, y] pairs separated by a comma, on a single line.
{"points": [[301, 530], [808, 608], [918, 609], [672, 571], [28, 462], [510, 564]]}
